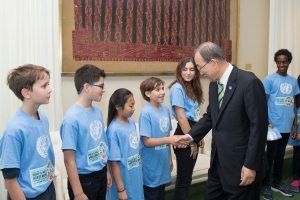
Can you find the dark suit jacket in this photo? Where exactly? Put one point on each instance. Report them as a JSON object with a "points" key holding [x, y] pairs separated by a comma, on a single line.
{"points": [[239, 127]]}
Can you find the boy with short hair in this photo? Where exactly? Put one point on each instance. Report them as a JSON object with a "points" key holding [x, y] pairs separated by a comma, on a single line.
{"points": [[155, 127], [26, 152], [84, 141]]}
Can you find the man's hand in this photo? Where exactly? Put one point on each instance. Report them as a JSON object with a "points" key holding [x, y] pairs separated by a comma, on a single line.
{"points": [[182, 141], [247, 176]]}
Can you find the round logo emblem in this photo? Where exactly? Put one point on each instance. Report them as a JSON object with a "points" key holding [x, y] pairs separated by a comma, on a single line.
{"points": [[96, 129], [42, 145]]}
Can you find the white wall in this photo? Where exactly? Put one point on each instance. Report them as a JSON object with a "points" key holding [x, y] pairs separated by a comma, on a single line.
{"points": [[112, 83], [253, 36]]}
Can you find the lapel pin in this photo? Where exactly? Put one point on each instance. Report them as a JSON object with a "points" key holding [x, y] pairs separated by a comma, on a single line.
{"points": [[230, 87]]}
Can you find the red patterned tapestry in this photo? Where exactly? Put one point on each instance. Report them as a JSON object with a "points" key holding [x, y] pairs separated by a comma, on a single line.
{"points": [[147, 30]]}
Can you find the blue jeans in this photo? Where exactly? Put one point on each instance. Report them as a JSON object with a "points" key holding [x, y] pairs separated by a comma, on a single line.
{"points": [[94, 185]]}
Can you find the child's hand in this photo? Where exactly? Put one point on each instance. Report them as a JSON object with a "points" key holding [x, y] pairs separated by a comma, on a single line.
{"points": [[109, 179], [123, 195], [81, 196], [181, 141], [194, 150], [171, 165], [298, 137], [201, 143], [294, 131]]}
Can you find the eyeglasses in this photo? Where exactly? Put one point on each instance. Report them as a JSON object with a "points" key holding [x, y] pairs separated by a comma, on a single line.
{"points": [[200, 68], [282, 62], [100, 86]]}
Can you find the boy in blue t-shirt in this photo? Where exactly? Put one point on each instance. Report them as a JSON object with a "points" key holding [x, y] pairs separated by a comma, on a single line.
{"points": [[155, 127], [281, 90], [84, 141], [26, 152]]}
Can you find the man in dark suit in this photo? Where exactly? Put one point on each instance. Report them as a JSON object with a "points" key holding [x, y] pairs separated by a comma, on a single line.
{"points": [[238, 119]]}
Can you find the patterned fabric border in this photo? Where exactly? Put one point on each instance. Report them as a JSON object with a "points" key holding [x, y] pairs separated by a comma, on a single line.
{"points": [[148, 30]]}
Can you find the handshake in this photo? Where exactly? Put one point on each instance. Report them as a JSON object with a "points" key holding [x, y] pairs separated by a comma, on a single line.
{"points": [[180, 141]]}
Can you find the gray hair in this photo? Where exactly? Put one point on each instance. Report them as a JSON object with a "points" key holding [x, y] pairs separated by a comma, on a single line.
{"points": [[209, 50]]}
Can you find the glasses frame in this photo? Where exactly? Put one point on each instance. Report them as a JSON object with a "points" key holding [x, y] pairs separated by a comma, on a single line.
{"points": [[201, 68], [99, 86]]}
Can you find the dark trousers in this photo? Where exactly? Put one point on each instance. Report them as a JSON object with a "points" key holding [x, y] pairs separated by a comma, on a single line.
{"points": [[156, 193], [94, 185], [275, 158], [217, 189], [185, 166], [49, 194], [296, 163]]}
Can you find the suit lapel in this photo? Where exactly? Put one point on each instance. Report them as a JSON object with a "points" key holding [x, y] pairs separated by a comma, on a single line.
{"points": [[230, 88]]}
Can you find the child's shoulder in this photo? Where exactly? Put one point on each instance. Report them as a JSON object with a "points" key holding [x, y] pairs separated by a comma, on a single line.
{"points": [[176, 86]]}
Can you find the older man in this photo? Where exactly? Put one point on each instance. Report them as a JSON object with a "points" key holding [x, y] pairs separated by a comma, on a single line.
{"points": [[237, 114]]}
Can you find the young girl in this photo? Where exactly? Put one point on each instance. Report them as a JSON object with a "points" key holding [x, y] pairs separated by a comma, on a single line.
{"points": [[185, 99], [123, 141], [295, 141]]}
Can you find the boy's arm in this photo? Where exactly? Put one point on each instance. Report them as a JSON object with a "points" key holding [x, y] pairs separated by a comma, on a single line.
{"points": [[69, 158], [118, 179], [175, 140], [14, 189]]}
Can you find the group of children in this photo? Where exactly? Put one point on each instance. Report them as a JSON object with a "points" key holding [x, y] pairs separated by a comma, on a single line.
{"points": [[132, 163], [124, 161]]}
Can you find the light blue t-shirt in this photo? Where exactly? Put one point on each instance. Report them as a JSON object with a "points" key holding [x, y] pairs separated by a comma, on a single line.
{"points": [[26, 145], [82, 130], [124, 143], [178, 98], [281, 91], [292, 141], [155, 123]]}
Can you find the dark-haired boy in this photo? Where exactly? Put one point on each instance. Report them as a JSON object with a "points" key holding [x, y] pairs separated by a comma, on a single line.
{"points": [[84, 141], [281, 90]]}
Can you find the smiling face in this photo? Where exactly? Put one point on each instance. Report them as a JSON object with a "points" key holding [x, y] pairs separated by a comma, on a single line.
{"points": [[282, 64], [157, 95], [188, 72]]}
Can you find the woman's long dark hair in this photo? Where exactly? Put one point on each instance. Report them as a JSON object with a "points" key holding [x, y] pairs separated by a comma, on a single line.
{"points": [[117, 99], [193, 89]]}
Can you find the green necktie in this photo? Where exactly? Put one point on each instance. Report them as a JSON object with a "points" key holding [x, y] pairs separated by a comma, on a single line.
{"points": [[220, 93]]}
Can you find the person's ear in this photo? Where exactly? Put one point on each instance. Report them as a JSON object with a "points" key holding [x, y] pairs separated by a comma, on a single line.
{"points": [[148, 93], [25, 93], [86, 87], [118, 108]]}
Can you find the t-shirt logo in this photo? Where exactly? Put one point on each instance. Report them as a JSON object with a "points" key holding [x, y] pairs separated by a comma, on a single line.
{"points": [[285, 88], [164, 124], [42, 145], [133, 140], [96, 129]]}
